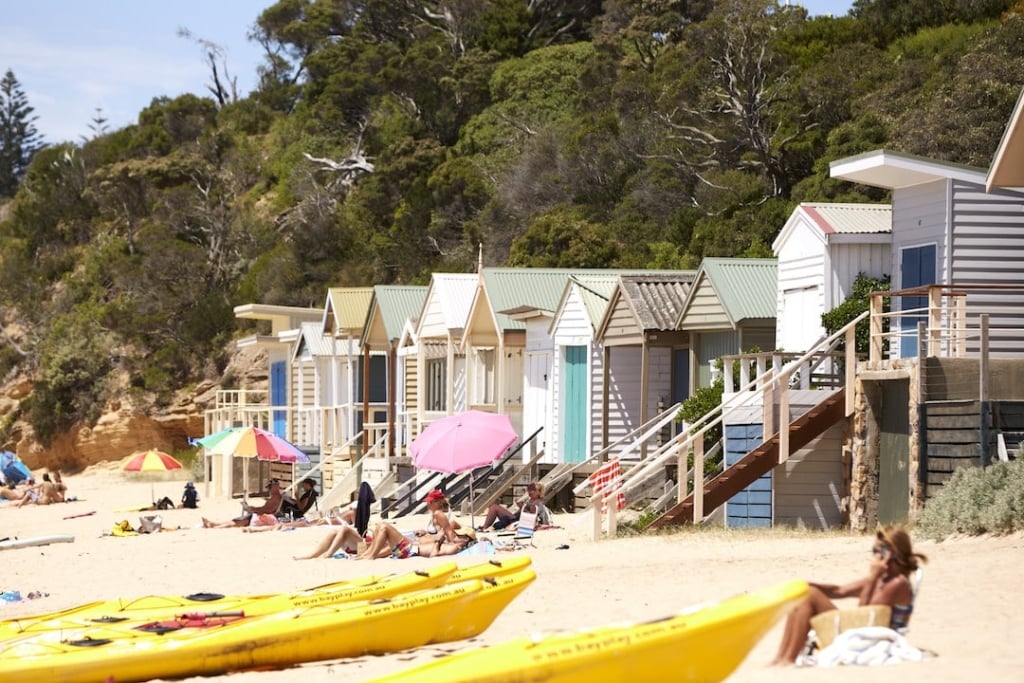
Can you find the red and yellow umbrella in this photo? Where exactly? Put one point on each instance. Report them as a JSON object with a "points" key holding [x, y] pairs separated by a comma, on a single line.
{"points": [[150, 461]]}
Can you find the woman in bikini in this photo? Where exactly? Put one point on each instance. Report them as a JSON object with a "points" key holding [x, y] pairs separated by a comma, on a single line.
{"points": [[441, 537], [887, 583], [500, 516]]}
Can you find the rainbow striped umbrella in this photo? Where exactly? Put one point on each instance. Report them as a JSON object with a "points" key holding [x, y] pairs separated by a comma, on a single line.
{"points": [[252, 442]]}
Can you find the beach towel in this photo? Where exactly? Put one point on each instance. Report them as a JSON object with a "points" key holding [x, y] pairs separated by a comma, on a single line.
{"points": [[123, 528], [608, 477], [868, 646]]}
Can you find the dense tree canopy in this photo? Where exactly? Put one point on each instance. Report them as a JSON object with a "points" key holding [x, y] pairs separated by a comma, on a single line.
{"points": [[388, 139]]}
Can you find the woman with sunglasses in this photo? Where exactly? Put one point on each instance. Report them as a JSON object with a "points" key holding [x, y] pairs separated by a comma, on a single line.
{"points": [[887, 583]]}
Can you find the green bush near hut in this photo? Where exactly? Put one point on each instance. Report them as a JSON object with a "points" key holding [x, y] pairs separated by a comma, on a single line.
{"points": [[977, 500]]}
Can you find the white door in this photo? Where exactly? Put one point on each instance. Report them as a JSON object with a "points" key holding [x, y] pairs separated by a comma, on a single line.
{"points": [[535, 398], [800, 324]]}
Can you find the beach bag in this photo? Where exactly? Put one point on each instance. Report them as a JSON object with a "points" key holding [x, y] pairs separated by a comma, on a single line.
{"points": [[150, 524]]}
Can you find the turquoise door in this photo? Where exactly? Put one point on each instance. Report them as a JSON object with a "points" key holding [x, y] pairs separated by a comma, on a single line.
{"points": [[575, 407]]}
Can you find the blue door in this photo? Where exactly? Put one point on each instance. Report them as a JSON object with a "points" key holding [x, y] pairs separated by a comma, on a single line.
{"points": [[917, 266], [279, 397], [751, 507], [575, 408]]}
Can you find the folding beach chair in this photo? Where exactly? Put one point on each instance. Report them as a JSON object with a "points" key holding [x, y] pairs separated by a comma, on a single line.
{"points": [[527, 525]]}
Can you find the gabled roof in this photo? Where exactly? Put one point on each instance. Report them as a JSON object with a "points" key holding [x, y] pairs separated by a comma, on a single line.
{"points": [[1007, 169], [857, 223], [346, 309], [390, 308], [509, 289], [895, 170], [312, 337], [446, 305], [744, 289], [653, 299], [595, 292]]}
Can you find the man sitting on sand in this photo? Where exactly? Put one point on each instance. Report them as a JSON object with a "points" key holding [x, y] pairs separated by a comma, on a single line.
{"points": [[260, 515]]}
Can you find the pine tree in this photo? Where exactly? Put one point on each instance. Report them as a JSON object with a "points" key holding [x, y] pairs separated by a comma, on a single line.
{"points": [[19, 139]]}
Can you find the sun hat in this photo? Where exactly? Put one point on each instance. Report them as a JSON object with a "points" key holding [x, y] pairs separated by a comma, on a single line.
{"points": [[434, 495]]}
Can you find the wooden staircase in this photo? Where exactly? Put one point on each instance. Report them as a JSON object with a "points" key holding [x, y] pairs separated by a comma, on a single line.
{"points": [[759, 461]]}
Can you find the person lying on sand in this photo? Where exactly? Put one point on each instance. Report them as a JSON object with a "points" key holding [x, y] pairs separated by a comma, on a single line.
{"points": [[887, 583], [336, 518], [441, 537]]}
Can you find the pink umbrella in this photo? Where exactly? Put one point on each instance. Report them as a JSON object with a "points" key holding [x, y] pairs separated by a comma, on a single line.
{"points": [[457, 443]]}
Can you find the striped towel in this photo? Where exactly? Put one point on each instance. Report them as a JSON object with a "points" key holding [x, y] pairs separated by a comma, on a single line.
{"points": [[608, 477]]}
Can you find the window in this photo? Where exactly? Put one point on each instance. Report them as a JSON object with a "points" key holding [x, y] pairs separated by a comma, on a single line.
{"points": [[483, 377], [435, 389]]}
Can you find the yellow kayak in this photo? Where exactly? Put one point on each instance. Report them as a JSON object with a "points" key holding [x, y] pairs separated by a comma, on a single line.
{"points": [[705, 645], [474, 617], [275, 640], [155, 608]]}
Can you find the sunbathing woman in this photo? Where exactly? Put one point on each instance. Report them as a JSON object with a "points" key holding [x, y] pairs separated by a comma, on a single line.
{"points": [[500, 516], [44, 493], [441, 537], [887, 583]]}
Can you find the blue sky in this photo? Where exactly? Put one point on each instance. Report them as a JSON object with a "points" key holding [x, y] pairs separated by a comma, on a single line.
{"points": [[72, 56]]}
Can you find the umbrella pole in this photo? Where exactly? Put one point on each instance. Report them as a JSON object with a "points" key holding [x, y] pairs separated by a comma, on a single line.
{"points": [[472, 522]]}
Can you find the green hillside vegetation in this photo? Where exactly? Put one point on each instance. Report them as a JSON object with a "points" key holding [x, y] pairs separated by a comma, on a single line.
{"points": [[388, 140]]}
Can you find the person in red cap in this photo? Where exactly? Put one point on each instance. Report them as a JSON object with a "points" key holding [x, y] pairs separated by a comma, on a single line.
{"points": [[441, 537]]}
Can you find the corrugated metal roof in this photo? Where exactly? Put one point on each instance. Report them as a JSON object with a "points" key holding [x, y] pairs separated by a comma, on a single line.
{"points": [[455, 294], [850, 219], [311, 336], [746, 288], [396, 304], [595, 292], [657, 298], [349, 306], [518, 288]]}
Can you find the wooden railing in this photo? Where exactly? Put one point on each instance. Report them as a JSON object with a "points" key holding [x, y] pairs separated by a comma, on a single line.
{"points": [[774, 384], [951, 316]]}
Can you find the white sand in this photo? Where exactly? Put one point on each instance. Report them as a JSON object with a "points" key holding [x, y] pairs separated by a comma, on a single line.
{"points": [[969, 612]]}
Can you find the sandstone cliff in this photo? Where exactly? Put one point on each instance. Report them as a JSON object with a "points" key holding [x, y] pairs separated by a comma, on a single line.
{"points": [[129, 424]]}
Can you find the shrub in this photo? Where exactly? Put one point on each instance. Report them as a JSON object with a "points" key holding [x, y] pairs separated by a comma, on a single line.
{"points": [[976, 501]]}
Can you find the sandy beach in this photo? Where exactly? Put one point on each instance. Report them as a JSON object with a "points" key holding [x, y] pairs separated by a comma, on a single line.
{"points": [[967, 613]]}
